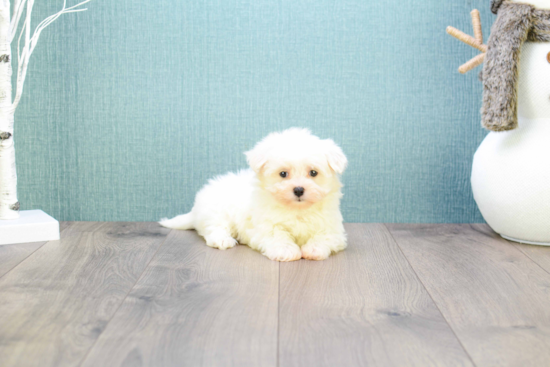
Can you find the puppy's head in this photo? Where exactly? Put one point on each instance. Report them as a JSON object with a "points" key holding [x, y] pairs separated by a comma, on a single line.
{"points": [[297, 168]]}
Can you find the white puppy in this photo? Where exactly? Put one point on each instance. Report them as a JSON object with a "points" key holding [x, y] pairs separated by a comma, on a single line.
{"points": [[287, 206]]}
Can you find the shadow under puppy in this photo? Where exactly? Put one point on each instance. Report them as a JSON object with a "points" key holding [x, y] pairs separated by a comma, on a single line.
{"points": [[287, 206]]}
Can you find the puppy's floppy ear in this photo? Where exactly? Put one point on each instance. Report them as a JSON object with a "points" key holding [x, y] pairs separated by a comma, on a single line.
{"points": [[335, 156], [256, 158]]}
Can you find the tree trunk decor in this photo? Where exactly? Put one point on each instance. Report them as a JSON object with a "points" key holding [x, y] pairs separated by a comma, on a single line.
{"points": [[10, 17]]}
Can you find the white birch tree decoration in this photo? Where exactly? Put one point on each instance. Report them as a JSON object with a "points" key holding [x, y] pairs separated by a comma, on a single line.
{"points": [[9, 25]]}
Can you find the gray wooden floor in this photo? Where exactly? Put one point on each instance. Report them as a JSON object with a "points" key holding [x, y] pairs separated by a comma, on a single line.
{"points": [[136, 294]]}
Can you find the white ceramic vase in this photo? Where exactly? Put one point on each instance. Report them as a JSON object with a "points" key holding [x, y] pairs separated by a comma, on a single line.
{"points": [[511, 170]]}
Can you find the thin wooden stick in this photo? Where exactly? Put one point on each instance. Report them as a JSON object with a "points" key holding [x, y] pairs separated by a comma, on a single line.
{"points": [[476, 42], [472, 64], [476, 22], [469, 40]]}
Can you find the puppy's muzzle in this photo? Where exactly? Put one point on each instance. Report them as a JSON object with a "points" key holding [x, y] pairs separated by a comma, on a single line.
{"points": [[299, 191]]}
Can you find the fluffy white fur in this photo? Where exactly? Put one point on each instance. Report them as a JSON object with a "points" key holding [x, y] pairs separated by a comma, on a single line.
{"points": [[257, 207]]}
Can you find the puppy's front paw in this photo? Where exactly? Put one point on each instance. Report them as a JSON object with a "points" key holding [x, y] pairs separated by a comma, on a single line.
{"points": [[221, 242], [283, 252], [315, 251]]}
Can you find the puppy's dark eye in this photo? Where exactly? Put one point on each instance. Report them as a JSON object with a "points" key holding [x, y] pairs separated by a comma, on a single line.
{"points": [[283, 174], [313, 173]]}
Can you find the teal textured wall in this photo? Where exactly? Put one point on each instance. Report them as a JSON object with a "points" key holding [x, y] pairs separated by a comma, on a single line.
{"points": [[131, 106]]}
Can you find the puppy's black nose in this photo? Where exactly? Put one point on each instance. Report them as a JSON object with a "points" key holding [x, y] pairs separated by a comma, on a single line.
{"points": [[298, 191]]}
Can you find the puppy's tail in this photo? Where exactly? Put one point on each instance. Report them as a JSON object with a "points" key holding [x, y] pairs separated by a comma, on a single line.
{"points": [[184, 221]]}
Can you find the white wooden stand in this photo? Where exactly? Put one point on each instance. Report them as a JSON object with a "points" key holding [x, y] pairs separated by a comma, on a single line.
{"points": [[31, 226]]}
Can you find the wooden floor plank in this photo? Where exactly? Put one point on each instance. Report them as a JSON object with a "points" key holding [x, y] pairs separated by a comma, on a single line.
{"points": [[11, 255], [64, 225], [494, 297], [539, 254], [83, 226], [362, 307], [196, 306], [54, 305]]}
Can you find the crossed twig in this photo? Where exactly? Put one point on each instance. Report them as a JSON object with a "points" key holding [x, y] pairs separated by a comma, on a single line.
{"points": [[476, 42]]}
